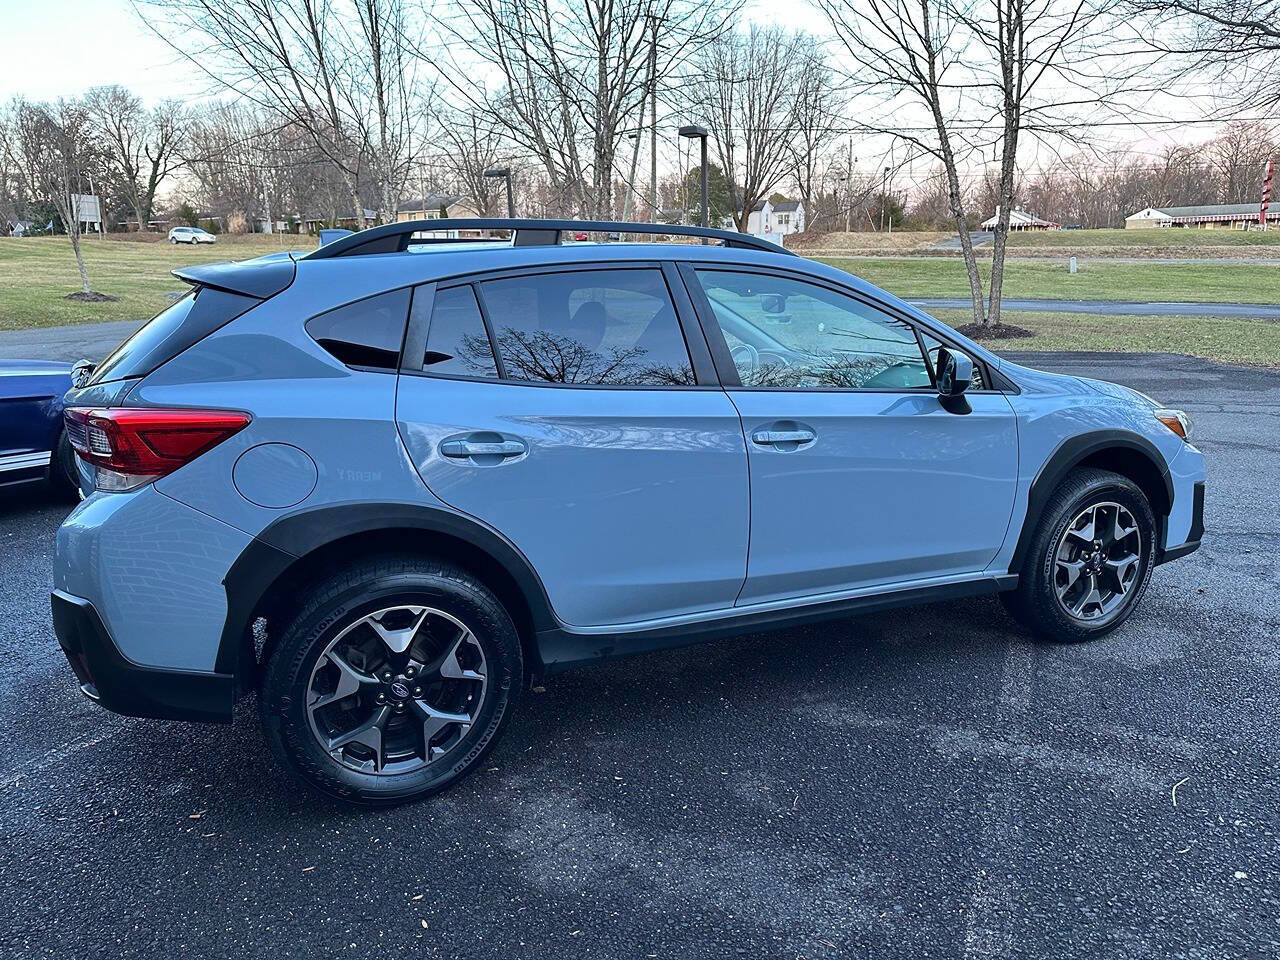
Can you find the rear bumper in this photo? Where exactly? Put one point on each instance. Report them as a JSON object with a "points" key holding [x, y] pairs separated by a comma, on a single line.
{"points": [[107, 677]]}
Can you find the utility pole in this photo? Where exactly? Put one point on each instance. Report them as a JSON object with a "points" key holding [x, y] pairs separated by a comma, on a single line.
{"points": [[884, 200], [848, 200], [653, 117]]}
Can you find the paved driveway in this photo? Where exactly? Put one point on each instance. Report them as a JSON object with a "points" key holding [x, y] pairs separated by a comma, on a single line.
{"points": [[912, 784]]}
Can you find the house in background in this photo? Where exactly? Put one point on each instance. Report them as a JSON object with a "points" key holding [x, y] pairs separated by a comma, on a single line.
{"points": [[1209, 216], [20, 228], [770, 219], [436, 206], [1020, 220], [348, 221]]}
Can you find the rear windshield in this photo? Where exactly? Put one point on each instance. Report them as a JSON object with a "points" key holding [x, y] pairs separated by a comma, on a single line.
{"points": [[171, 331]]}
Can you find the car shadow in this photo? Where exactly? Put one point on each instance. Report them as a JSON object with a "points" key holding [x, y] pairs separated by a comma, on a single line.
{"points": [[883, 663], [27, 498]]}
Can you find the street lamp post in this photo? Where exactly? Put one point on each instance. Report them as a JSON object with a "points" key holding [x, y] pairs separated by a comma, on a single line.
{"points": [[505, 173], [700, 133]]}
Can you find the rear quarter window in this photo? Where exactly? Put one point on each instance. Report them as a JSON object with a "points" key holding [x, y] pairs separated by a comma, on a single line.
{"points": [[171, 331], [366, 333]]}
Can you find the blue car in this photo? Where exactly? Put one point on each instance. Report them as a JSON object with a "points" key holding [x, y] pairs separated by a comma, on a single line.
{"points": [[33, 447], [387, 483]]}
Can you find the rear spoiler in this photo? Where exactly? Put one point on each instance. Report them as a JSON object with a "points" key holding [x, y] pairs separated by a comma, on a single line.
{"points": [[260, 278]]}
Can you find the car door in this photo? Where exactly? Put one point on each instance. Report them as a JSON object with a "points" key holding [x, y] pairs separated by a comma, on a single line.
{"points": [[859, 476], [565, 409]]}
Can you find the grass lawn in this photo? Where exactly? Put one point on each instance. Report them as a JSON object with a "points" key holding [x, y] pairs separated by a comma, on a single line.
{"points": [[36, 273], [1227, 339], [913, 277], [1165, 237]]}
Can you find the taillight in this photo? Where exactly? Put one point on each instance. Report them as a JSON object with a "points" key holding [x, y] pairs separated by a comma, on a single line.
{"points": [[131, 446]]}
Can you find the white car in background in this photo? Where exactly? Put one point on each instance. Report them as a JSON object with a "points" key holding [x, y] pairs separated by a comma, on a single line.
{"points": [[191, 235]]}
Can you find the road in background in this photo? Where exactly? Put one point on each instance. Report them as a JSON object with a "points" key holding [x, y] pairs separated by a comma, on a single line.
{"points": [[923, 783]]}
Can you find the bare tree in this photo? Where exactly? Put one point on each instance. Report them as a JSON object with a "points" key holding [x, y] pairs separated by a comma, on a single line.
{"points": [[743, 87], [11, 182], [472, 144], [1231, 46], [908, 52], [341, 72], [986, 73], [55, 148], [145, 146], [573, 76], [1238, 155], [816, 119]]}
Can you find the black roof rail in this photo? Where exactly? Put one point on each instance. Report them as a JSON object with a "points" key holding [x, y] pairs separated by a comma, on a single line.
{"points": [[398, 237]]}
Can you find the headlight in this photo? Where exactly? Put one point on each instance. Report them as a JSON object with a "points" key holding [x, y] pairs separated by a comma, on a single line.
{"points": [[1175, 420]]}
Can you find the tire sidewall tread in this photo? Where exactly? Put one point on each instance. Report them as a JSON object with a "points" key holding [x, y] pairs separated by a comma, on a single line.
{"points": [[353, 592], [1035, 603]]}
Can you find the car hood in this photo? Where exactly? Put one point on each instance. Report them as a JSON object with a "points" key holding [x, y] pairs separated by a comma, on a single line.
{"points": [[1060, 383], [34, 368]]}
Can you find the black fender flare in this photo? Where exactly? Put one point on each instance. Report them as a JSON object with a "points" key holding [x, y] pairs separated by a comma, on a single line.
{"points": [[292, 537], [1066, 457]]}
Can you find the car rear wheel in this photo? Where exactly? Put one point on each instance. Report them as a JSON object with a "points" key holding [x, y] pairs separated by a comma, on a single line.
{"points": [[1090, 561], [392, 681], [64, 477]]}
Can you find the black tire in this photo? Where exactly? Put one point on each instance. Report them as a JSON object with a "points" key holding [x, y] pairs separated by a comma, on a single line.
{"points": [[332, 607], [1035, 603], [64, 476]]}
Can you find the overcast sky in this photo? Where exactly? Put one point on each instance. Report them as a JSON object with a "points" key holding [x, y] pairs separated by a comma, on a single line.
{"points": [[58, 48]]}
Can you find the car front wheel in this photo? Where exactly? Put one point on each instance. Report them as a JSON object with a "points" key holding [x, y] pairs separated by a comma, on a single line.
{"points": [[392, 681], [1090, 561]]}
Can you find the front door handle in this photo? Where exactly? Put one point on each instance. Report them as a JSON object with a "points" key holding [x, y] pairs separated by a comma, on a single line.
{"points": [[482, 448], [773, 437], [784, 435]]}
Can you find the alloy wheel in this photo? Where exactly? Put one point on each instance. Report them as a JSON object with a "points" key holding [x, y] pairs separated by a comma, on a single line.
{"points": [[397, 690], [1097, 562]]}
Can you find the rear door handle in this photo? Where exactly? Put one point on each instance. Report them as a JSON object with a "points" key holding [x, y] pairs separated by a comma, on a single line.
{"points": [[482, 448]]}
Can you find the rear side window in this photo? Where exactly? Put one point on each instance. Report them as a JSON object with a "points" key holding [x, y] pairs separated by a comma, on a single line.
{"points": [[171, 331], [605, 327], [457, 343], [367, 333]]}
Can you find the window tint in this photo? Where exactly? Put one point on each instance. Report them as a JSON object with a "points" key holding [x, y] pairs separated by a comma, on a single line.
{"points": [[171, 331], [366, 333], [787, 333], [932, 345], [457, 343], [589, 326]]}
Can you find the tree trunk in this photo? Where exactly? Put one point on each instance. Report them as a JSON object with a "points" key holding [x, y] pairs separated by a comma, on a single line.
{"points": [[962, 224], [1008, 170], [357, 208], [74, 235]]}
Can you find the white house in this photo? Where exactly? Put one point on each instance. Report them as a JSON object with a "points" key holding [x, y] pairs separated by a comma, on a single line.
{"points": [[1209, 216], [776, 219], [1020, 220]]}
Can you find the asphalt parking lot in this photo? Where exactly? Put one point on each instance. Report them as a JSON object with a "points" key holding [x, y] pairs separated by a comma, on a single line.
{"points": [[912, 784]]}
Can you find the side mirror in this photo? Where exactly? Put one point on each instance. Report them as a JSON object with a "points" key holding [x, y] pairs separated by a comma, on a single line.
{"points": [[955, 373], [81, 372]]}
